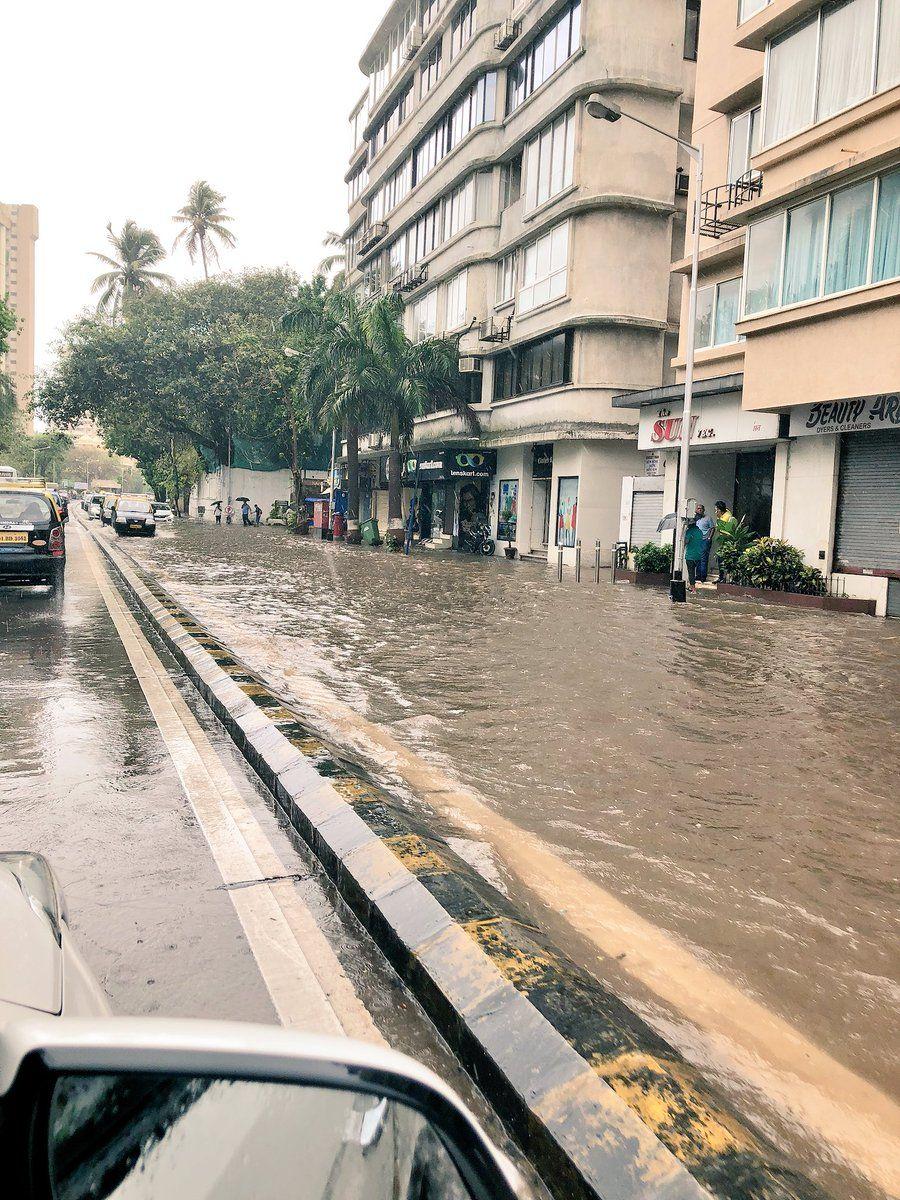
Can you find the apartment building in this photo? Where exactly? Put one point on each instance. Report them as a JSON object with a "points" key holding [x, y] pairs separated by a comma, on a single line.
{"points": [[541, 239], [18, 234], [796, 421]]}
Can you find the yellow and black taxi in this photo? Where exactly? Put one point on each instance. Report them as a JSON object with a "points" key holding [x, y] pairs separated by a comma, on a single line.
{"points": [[32, 536], [133, 515]]}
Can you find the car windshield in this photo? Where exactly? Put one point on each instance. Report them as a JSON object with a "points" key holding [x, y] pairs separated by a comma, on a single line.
{"points": [[134, 506], [158, 508], [24, 508]]}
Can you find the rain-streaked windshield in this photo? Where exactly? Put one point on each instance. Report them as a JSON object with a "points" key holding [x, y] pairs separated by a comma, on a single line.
{"points": [[134, 506], [24, 508]]}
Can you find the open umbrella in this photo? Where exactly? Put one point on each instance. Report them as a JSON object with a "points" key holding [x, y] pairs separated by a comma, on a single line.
{"points": [[669, 521], [242, 498]]}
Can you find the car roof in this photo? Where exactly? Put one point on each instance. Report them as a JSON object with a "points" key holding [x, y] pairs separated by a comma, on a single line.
{"points": [[35, 491]]}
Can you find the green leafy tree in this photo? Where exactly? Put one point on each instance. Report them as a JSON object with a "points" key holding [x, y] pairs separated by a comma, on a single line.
{"points": [[42, 455], [8, 322], [135, 254], [205, 223]]}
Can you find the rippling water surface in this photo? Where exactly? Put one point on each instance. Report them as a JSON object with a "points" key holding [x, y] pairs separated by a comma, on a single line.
{"points": [[728, 769]]}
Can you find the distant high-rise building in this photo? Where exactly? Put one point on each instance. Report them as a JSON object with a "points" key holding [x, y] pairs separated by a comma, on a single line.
{"points": [[18, 233]]}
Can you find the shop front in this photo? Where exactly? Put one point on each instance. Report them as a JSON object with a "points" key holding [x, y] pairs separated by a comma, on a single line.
{"points": [[453, 489], [733, 458], [864, 434]]}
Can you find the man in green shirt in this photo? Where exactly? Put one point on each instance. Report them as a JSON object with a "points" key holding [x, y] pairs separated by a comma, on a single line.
{"points": [[694, 543], [725, 523]]}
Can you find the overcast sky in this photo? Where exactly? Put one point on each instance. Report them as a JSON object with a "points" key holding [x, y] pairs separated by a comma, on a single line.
{"points": [[111, 110]]}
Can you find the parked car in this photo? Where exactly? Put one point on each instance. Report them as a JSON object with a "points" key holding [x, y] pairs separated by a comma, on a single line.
{"points": [[95, 506], [106, 513], [41, 969], [133, 515], [32, 538], [62, 503], [162, 512]]}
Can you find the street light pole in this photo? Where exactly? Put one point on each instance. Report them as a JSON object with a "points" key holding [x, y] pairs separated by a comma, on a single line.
{"points": [[605, 110]]}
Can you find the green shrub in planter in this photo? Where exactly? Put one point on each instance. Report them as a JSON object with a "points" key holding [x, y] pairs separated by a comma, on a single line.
{"points": [[811, 582], [730, 544], [655, 560], [770, 563]]}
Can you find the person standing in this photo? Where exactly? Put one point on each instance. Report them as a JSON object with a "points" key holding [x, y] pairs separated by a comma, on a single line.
{"points": [[245, 512], [217, 506], [725, 524], [707, 527], [693, 552], [257, 514]]}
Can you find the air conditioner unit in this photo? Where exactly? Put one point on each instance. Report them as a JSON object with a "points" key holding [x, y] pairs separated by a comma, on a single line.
{"points": [[470, 364], [413, 44], [506, 34], [682, 182]]}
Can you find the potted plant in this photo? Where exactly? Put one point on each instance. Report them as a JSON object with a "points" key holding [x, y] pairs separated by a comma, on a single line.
{"points": [[507, 521], [653, 564]]}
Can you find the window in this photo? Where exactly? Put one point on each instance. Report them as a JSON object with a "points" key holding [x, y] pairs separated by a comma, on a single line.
{"points": [[506, 278], [431, 68], [474, 107], [749, 8], [358, 183], [422, 237], [717, 311], [391, 122], [423, 317], [456, 300], [743, 143], [394, 189], [534, 366], [430, 10], [827, 64], [462, 27], [459, 208], [545, 269], [825, 246], [546, 54], [510, 182], [389, 60], [397, 257], [549, 160], [691, 29], [358, 123]]}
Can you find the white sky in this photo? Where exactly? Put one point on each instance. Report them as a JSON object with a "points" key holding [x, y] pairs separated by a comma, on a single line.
{"points": [[111, 110]]}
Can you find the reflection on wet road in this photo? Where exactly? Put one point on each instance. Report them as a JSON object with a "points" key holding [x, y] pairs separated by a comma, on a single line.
{"points": [[726, 769]]}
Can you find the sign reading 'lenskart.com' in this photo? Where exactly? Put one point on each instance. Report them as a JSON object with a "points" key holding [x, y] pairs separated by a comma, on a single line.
{"points": [[859, 415]]}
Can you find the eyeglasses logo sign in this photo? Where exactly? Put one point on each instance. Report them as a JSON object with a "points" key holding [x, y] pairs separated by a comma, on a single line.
{"points": [[470, 460]]}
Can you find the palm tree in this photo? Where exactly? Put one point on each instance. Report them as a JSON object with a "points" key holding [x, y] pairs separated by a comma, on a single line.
{"points": [[414, 378], [205, 222], [332, 266], [135, 252]]}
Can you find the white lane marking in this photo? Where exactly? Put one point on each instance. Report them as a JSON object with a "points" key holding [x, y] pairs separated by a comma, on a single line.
{"points": [[305, 980]]}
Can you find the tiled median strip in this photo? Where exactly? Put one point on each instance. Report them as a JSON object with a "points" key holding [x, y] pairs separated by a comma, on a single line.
{"points": [[599, 1102]]}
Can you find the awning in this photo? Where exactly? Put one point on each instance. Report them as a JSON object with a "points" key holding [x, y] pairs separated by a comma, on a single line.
{"points": [[673, 393]]}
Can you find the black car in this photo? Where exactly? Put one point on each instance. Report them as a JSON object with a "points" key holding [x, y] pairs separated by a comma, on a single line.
{"points": [[133, 514], [32, 538]]}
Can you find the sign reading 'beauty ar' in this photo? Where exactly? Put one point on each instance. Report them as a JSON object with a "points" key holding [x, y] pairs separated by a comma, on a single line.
{"points": [[847, 416]]}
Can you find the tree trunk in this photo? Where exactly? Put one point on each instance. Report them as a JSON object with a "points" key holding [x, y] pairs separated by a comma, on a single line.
{"points": [[186, 500], [395, 529], [296, 473], [203, 256], [353, 534], [176, 490]]}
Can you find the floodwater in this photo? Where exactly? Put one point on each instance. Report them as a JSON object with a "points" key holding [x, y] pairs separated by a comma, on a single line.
{"points": [[727, 770]]}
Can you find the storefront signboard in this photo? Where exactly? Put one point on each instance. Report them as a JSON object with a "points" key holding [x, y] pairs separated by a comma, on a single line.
{"points": [[542, 461], [859, 415], [653, 463], [567, 510], [431, 466], [470, 464], [715, 421]]}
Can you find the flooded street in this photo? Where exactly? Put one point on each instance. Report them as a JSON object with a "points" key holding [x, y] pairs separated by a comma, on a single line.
{"points": [[728, 770]]}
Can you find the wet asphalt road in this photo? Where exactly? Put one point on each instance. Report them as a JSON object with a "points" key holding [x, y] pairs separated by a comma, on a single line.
{"points": [[86, 779]]}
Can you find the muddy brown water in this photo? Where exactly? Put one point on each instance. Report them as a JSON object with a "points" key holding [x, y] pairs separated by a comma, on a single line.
{"points": [[727, 769]]}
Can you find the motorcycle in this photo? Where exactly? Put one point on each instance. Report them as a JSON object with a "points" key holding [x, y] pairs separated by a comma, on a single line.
{"points": [[478, 539]]}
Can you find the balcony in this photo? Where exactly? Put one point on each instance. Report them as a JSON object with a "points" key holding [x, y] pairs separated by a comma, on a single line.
{"points": [[718, 202], [411, 278]]}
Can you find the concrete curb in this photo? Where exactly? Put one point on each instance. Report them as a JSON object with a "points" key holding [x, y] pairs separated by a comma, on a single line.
{"points": [[579, 1132]]}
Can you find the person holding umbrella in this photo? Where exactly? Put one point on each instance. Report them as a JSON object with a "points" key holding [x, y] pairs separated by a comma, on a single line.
{"points": [[245, 509]]}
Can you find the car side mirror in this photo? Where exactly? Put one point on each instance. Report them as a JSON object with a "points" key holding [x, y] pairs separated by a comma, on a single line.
{"points": [[157, 1110]]}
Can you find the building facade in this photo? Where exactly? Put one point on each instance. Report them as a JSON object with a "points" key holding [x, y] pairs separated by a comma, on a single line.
{"points": [[18, 234], [797, 420], [541, 239]]}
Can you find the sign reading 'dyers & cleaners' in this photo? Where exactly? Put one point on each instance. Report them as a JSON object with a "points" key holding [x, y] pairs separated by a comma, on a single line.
{"points": [[847, 416]]}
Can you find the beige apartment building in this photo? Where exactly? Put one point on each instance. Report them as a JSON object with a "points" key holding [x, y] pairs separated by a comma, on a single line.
{"points": [[796, 421], [480, 189], [18, 234]]}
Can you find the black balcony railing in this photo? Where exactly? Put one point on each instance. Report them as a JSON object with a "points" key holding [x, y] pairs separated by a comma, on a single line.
{"points": [[718, 202]]}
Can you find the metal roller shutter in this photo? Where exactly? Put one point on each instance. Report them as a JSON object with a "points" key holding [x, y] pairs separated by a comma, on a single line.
{"points": [[646, 512], [868, 514]]}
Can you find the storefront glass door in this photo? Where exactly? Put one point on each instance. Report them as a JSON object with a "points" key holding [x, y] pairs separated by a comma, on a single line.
{"points": [[754, 475], [540, 514]]}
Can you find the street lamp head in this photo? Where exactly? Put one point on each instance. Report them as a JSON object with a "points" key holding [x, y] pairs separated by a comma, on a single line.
{"points": [[602, 110]]}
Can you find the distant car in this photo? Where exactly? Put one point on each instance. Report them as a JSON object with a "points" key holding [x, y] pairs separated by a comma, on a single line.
{"points": [[62, 503], [133, 515], [41, 969], [106, 512], [32, 538], [95, 506], [162, 512]]}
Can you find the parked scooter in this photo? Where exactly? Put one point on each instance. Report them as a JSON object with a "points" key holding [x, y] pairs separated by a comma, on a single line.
{"points": [[478, 539]]}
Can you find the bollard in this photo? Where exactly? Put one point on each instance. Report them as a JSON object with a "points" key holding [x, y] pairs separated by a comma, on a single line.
{"points": [[578, 560], [597, 562], [559, 565]]}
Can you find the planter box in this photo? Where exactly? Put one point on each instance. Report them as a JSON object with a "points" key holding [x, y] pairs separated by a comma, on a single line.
{"points": [[642, 578], [796, 600]]}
